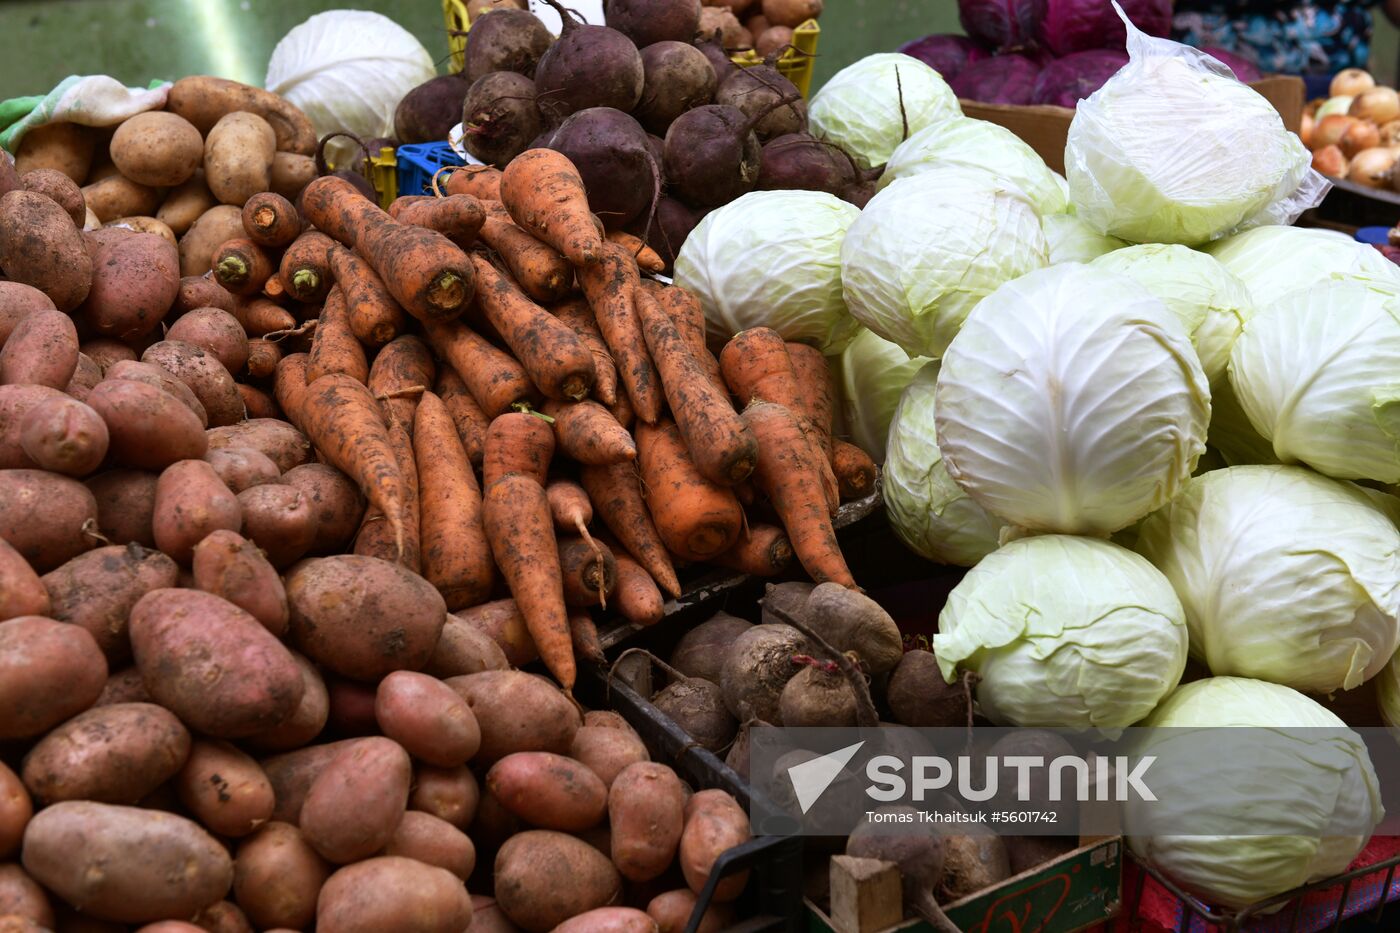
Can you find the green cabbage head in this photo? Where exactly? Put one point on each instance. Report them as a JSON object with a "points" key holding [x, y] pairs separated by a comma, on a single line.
{"points": [[873, 373], [1072, 240], [872, 106], [1273, 261]]}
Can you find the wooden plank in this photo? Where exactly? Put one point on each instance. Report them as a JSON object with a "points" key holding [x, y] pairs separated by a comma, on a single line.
{"points": [[867, 895]]}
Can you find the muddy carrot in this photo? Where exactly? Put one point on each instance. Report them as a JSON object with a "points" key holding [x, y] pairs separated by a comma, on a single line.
{"points": [[544, 193], [764, 552], [541, 270], [589, 571], [334, 349], [493, 377], [647, 258], [376, 538], [610, 286], [242, 266], [616, 493], [261, 317], [456, 557], [289, 387], [479, 181], [622, 411], [685, 312], [697, 519], [815, 395], [585, 637], [257, 403], [272, 289], [375, 317], [501, 620], [305, 269], [855, 471], [466, 415], [517, 442], [271, 220], [587, 432], [635, 597], [263, 357], [576, 313], [569, 507], [402, 363], [458, 217]]}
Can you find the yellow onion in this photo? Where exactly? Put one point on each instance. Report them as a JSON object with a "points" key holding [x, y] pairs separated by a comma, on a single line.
{"points": [[1330, 161], [1380, 105], [1390, 133], [1374, 168], [1359, 137], [1305, 129], [1329, 130], [1351, 81]]}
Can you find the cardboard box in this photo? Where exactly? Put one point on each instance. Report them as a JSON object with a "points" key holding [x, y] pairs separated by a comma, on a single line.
{"points": [[1045, 128]]}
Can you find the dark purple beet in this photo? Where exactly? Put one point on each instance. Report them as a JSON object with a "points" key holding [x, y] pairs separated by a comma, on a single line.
{"points": [[947, 55], [499, 117], [1005, 79], [766, 96], [610, 150], [428, 112], [505, 40], [712, 155], [1244, 69], [1067, 81], [678, 78], [587, 66], [798, 161], [719, 59], [646, 22], [657, 145], [670, 227]]}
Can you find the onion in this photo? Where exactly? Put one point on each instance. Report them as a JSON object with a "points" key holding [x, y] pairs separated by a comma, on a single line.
{"points": [[1390, 133], [1359, 137], [1373, 168], [1305, 129], [1351, 81], [1330, 161], [1338, 104], [1379, 105], [1330, 130]]}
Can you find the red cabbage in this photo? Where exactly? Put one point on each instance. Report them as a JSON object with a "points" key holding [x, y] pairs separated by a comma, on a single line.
{"points": [[1005, 79], [1153, 17], [1243, 68], [1002, 24], [945, 54], [1073, 25], [1069, 80]]}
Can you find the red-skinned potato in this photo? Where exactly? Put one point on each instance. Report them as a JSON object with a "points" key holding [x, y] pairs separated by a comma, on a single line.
{"points": [[607, 750], [427, 718], [85, 378], [242, 467], [222, 917], [41, 350], [47, 518], [232, 567], [292, 774], [549, 791], [369, 779], [337, 505], [64, 436], [646, 812], [15, 810], [714, 823], [23, 899], [283, 444], [22, 593], [15, 403], [393, 893], [204, 374], [308, 720], [126, 504], [134, 283], [148, 428], [450, 794], [464, 649], [113, 754], [97, 591], [216, 331], [17, 300], [672, 911], [609, 920], [41, 247], [153, 375], [124, 686], [544, 878], [433, 841], [279, 520], [277, 877], [191, 503], [518, 712], [224, 789]]}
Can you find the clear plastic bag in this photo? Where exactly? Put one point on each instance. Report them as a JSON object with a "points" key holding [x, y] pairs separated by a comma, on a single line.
{"points": [[1173, 149]]}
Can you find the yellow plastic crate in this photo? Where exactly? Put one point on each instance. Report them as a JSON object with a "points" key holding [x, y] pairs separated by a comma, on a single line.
{"points": [[795, 65]]}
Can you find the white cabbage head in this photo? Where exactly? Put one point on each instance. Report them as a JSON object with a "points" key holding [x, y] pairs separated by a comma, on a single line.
{"points": [[870, 107], [1072, 240], [1210, 302], [1231, 434], [1231, 752], [1318, 375], [1072, 401], [929, 247], [930, 513], [1285, 575], [772, 259], [873, 373], [1064, 632], [1273, 261]]}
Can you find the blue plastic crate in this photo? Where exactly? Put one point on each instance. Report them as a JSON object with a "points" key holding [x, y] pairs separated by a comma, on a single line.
{"points": [[419, 162], [1376, 236]]}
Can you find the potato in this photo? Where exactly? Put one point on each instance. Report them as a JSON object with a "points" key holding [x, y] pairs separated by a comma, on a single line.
{"points": [[42, 350], [82, 851], [427, 718], [22, 592], [106, 352], [518, 712], [291, 173], [279, 520], [16, 401], [124, 686], [238, 154], [9, 178], [153, 375], [21, 896], [16, 301], [362, 617], [306, 722], [211, 383], [15, 811], [672, 911], [46, 517], [432, 841], [192, 502], [224, 789], [213, 664], [184, 205], [209, 231], [543, 878], [292, 774], [41, 247], [148, 428], [85, 378], [242, 467], [352, 707], [118, 196], [487, 917], [216, 331], [393, 893], [65, 436], [157, 148], [222, 917], [97, 591], [646, 813], [450, 794], [171, 926], [114, 754], [134, 283], [337, 507], [609, 920], [204, 100], [369, 779], [464, 649], [714, 824], [63, 147], [228, 565], [549, 791], [606, 750], [283, 444], [59, 188], [125, 505], [151, 225], [277, 876]]}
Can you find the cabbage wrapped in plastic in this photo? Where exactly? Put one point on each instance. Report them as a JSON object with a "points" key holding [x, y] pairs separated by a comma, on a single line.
{"points": [[1072, 401], [1318, 375], [1273, 261], [873, 373], [945, 54], [978, 144], [930, 513], [872, 106], [772, 259], [1211, 303], [1072, 240], [1285, 575], [1064, 632], [926, 249], [1234, 759], [1066, 81], [1173, 149], [1005, 79]]}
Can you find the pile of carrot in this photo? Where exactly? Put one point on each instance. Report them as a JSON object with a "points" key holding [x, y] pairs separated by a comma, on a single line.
{"points": [[528, 413]]}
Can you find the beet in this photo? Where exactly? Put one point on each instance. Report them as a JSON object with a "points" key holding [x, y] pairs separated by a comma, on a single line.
{"points": [[919, 696], [818, 695], [972, 863], [700, 652], [678, 78], [766, 96], [917, 852], [657, 145], [610, 150], [712, 155], [649, 21], [1039, 743], [790, 598], [719, 59], [697, 706], [505, 40], [738, 756], [587, 66], [499, 117], [670, 228], [757, 667], [428, 112]]}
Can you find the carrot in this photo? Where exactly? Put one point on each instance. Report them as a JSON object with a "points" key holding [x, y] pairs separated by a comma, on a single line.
{"points": [[289, 387], [466, 415], [622, 411], [587, 432], [402, 363], [334, 349], [346, 425], [685, 312], [617, 499], [271, 220], [257, 403], [428, 275], [544, 193], [576, 313], [502, 621], [493, 377], [724, 450], [456, 557], [542, 271], [569, 507], [589, 571], [855, 471], [458, 217], [517, 442], [261, 317], [635, 596], [305, 270], [610, 286], [375, 317], [697, 519], [522, 540], [584, 635], [558, 363], [242, 266], [376, 535], [272, 289], [764, 552], [479, 181], [815, 392], [788, 471], [647, 258], [263, 357]]}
